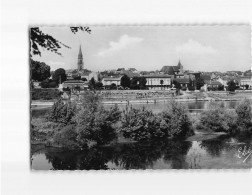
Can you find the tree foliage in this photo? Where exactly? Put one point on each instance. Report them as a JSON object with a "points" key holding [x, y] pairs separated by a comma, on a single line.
{"points": [[231, 85], [59, 75], [40, 39], [62, 112], [39, 71], [199, 82], [125, 81], [142, 82]]}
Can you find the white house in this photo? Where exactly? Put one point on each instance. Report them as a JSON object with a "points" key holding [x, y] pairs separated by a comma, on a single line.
{"points": [[158, 81], [107, 81]]}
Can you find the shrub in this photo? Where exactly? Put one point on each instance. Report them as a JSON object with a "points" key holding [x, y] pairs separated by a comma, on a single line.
{"points": [[244, 114], [218, 119], [45, 94], [67, 137], [62, 112], [140, 124], [52, 84], [175, 121], [94, 123]]}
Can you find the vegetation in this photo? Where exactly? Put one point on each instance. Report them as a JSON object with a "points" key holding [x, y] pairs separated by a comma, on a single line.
{"points": [[45, 94], [142, 82], [39, 70], [59, 75], [125, 81], [142, 124], [231, 85], [218, 119], [199, 82], [62, 112], [40, 39]]}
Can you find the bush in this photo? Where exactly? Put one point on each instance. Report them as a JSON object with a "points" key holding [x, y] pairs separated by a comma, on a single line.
{"points": [[217, 119], [244, 114], [94, 123], [140, 124], [45, 94], [62, 112], [67, 137], [52, 84], [175, 121]]}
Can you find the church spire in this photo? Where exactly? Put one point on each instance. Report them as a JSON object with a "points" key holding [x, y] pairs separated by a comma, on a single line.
{"points": [[80, 60], [80, 53]]}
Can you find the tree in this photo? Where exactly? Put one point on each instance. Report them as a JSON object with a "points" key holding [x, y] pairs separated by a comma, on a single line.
{"points": [[59, 75], [161, 82], [134, 83], [231, 85], [177, 86], [40, 39], [125, 81], [91, 84], [113, 86], [142, 82], [40, 71], [199, 82], [98, 85], [83, 79], [247, 86]]}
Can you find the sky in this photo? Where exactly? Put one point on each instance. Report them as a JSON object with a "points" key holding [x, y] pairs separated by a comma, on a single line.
{"points": [[199, 47]]}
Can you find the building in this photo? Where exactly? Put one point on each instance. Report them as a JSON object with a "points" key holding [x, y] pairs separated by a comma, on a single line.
{"points": [[158, 81], [107, 81], [80, 64], [245, 80], [72, 84], [173, 70]]}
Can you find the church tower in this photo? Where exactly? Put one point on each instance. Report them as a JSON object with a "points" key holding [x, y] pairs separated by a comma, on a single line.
{"points": [[180, 66], [80, 60]]}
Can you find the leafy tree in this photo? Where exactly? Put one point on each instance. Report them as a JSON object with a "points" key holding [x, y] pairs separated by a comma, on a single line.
{"points": [[134, 83], [62, 112], [142, 82], [83, 79], [59, 75], [161, 82], [40, 39], [231, 85], [98, 85], [39, 70], [125, 81], [113, 86], [199, 82], [92, 84], [247, 86], [244, 113]]}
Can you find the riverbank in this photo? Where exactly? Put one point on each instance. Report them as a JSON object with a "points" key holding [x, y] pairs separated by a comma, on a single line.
{"points": [[185, 97]]}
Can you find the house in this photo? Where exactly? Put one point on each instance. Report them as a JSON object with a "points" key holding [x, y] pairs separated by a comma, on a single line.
{"points": [[72, 84], [158, 81], [245, 80], [184, 82], [107, 81], [214, 84]]}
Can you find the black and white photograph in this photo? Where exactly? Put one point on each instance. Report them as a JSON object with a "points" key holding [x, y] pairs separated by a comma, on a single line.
{"points": [[140, 97]]}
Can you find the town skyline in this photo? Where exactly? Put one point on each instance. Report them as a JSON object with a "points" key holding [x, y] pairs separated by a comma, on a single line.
{"points": [[214, 48]]}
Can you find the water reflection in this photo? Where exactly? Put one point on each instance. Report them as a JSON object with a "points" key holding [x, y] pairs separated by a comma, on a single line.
{"points": [[167, 154]]}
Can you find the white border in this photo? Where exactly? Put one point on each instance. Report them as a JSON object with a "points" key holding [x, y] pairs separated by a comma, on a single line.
{"points": [[16, 175]]}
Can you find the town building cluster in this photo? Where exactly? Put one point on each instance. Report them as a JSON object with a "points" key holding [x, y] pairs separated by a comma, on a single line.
{"points": [[155, 80]]}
